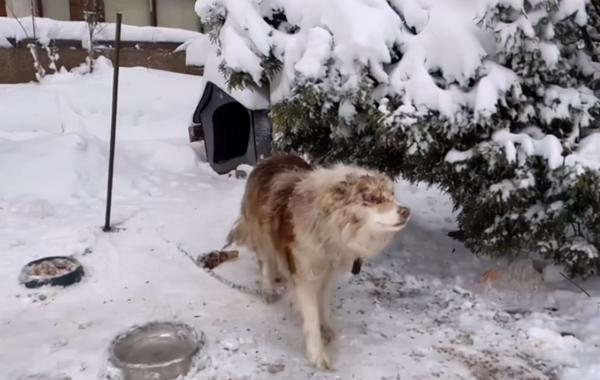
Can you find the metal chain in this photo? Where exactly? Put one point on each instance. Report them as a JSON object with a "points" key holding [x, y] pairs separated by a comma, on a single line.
{"points": [[241, 288]]}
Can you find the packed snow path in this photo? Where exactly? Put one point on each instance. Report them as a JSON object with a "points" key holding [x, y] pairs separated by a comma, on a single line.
{"points": [[416, 312]]}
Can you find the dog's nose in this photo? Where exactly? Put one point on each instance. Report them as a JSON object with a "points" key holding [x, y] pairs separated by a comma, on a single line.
{"points": [[404, 212]]}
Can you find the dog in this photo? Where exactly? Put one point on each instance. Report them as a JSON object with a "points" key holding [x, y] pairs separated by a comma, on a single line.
{"points": [[305, 222]]}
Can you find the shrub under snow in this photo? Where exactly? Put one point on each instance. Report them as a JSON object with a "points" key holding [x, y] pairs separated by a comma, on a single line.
{"points": [[491, 99]]}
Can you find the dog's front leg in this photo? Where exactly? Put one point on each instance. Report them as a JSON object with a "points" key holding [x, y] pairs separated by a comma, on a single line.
{"points": [[308, 301], [325, 311]]}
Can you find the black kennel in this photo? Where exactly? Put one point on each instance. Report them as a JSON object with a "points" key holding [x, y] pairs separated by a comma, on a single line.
{"points": [[232, 134]]}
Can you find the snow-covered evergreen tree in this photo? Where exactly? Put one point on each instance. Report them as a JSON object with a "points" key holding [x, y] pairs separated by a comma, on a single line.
{"points": [[493, 100]]}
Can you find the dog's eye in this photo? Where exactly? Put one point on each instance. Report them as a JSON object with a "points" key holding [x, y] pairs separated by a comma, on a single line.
{"points": [[370, 199]]}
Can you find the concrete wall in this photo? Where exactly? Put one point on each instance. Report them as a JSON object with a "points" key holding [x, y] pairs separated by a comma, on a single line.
{"points": [[17, 63]]}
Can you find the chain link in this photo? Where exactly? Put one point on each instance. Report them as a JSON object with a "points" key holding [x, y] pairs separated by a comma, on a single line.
{"points": [[241, 288]]}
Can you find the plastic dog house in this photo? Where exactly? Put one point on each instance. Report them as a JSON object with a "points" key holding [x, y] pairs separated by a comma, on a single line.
{"points": [[233, 134]]}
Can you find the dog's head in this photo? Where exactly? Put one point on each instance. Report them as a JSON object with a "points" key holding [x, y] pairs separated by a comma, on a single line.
{"points": [[366, 200]]}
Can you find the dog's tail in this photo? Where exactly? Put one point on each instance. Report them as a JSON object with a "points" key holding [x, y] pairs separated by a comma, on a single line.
{"points": [[238, 234]]}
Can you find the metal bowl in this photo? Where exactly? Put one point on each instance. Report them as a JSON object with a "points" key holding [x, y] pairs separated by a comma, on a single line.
{"points": [[157, 351], [55, 271]]}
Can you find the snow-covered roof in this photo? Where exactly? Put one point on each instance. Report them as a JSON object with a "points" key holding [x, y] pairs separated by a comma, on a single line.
{"points": [[253, 98]]}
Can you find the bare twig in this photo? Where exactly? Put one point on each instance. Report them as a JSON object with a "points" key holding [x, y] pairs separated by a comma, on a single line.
{"points": [[576, 285], [10, 9], [39, 69], [33, 20], [40, 72], [90, 14]]}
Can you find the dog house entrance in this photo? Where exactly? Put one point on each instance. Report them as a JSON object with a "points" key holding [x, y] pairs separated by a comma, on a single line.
{"points": [[233, 132]]}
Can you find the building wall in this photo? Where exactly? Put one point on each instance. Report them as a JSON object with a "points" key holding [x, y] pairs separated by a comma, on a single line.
{"points": [[56, 9], [170, 13], [177, 14], [18, 8], [135, 12]]}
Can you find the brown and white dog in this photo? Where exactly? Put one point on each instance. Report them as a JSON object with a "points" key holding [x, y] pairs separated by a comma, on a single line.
{"points": [[303, 223]]}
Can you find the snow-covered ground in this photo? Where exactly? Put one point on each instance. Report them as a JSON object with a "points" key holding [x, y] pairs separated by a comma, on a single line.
{"points": [[416, 312]]}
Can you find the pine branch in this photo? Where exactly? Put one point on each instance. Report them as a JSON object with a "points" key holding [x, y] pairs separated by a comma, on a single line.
{"points": [[589, 45], [596, 5]]}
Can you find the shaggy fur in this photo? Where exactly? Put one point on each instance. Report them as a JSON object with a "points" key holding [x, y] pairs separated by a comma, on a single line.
{"points": [[305, 222]]}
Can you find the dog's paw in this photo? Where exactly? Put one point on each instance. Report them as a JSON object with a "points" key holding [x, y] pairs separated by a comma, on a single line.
{"points": [[272, 298], [327, 334], [275, 294], [320, 360]]}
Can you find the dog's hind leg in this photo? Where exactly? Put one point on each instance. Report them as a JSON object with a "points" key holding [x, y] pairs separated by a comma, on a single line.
{"points": [[308, 302]]}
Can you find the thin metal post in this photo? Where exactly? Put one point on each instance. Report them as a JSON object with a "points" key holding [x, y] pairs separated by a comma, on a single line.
{"points": [[113, 125], [153, 13]]}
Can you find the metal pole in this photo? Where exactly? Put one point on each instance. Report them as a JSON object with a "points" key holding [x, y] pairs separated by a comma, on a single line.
{"points": [[153, 13], [113, 125]]}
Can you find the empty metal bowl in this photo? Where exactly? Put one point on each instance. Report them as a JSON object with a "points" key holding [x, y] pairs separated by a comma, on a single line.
{"points": [[156, 351]]}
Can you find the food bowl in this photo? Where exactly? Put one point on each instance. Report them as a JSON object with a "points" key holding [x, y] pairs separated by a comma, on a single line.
{"points": [[55, 270], [157, 351]]}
